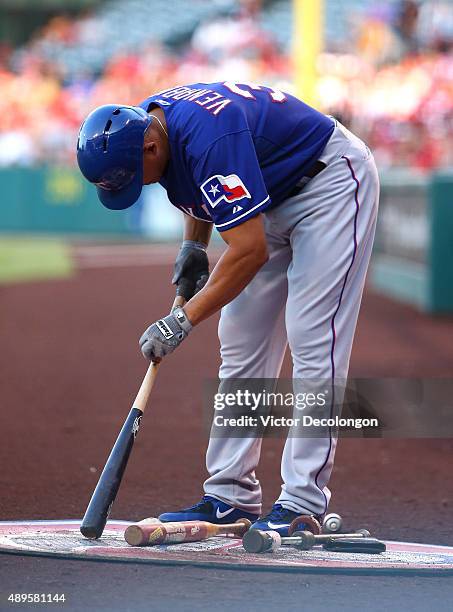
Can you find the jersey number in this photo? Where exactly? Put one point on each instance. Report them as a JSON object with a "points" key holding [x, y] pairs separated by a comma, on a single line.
{"points": [[238, 88]]}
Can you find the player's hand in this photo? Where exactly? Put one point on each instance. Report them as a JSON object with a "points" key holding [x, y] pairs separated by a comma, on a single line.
{"points": [[162, 337], [191, 271]]}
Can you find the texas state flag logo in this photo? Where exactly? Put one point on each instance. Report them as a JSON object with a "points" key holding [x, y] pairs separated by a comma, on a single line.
{"points": [[229, 188]]}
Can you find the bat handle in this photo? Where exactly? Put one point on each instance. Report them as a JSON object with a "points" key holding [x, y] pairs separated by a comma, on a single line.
{"points": [[148, 381], [179, 301]]}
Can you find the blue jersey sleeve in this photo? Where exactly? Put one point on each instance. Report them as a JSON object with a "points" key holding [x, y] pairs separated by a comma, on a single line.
{"points": [[230, 180]]}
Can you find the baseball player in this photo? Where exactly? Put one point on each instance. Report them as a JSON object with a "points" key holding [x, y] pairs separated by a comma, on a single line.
{"points": [[294, 196]]}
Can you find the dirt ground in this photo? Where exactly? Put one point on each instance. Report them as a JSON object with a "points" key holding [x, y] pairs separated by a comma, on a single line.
{"points": [[69, 368]]}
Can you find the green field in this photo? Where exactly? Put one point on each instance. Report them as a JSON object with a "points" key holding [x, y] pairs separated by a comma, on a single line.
{"points": [[27, 259]]}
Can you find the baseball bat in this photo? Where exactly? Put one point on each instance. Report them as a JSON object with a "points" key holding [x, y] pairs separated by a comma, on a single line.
{"points": [[146, 534], [104, 495], [257, 541]]}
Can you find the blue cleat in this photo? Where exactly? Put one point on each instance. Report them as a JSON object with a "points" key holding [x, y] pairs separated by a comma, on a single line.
{"points": [[279, 519], [208, 509]]}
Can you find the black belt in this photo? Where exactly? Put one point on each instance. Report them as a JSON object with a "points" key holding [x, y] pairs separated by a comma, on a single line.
{"points": [[313, 171]]}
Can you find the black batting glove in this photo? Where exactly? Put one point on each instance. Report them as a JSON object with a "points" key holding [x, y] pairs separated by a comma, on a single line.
{"points": [[191, 271]]}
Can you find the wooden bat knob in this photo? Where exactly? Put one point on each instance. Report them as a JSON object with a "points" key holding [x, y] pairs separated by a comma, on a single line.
{"points": [[246, 524]]}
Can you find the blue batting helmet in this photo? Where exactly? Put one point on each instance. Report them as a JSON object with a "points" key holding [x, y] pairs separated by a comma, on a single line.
{"points": [[110, 153]]}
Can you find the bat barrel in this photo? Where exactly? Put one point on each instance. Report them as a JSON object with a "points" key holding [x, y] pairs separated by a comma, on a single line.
{"points": [[257, 541], [168, 533], [135, 535], [98, 509]]}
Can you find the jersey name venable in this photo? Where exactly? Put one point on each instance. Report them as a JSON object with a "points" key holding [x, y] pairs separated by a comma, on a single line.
{"points": [[212, 101]]}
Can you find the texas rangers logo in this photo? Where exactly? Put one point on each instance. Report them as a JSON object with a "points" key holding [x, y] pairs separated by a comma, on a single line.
{"points": [[229, 188]]}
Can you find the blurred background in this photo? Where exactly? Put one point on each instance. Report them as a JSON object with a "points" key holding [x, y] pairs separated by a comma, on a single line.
{"points": [[384, 69]]}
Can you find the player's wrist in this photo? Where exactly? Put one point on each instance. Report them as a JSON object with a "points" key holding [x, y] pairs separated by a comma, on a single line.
{"points": [[193, 244], [182, 319]]}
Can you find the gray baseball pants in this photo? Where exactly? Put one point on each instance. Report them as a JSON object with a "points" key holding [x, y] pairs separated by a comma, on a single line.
{"points": [[307, 295]]}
